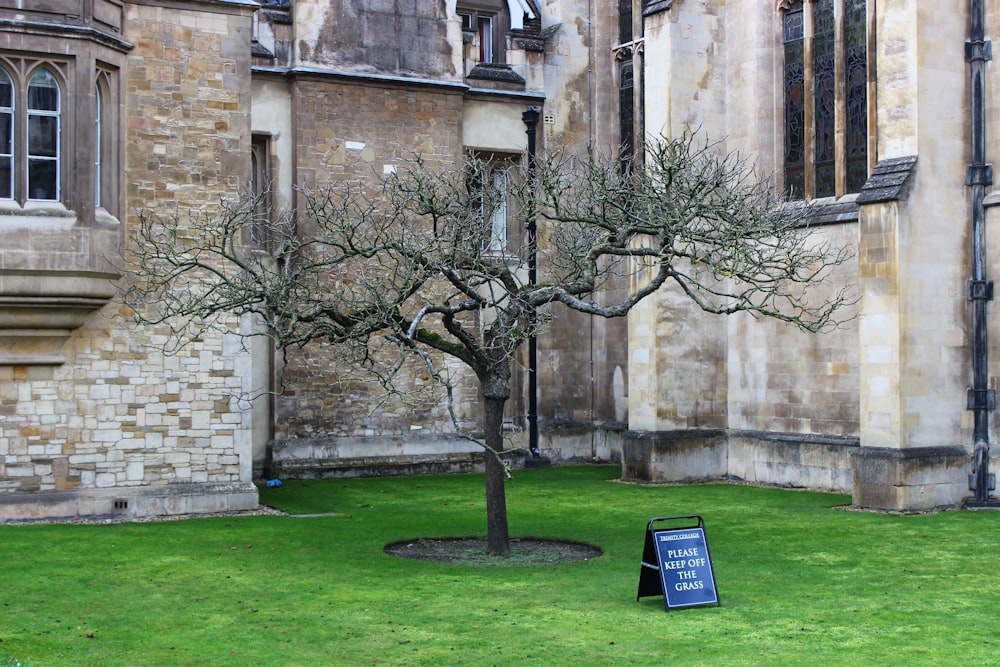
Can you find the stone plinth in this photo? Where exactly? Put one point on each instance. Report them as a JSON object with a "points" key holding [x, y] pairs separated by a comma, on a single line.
{"points": [[910, 480]]}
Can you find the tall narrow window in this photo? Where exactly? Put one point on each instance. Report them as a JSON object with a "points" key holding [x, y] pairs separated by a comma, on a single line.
{"points": [[795, 102], [261, 229], [626, 109], [485, 39], [826, 97], [43, 137], [6, 136], [856, 75], [624, 21], [489, 196], [497, 241], [628, 54], [97, 146]]}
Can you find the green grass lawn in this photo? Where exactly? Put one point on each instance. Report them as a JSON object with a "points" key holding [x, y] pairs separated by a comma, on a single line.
{"points": [[800, 583]]}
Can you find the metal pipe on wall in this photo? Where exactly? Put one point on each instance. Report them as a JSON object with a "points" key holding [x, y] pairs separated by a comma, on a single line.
{"points": [[530, 118], [981, 399]]}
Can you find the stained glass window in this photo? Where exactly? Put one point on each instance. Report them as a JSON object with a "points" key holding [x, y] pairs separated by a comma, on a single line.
{"points": [[624, 21], [824, 98], [630, 82], [825, 87], [795, 114], [856, 75]]}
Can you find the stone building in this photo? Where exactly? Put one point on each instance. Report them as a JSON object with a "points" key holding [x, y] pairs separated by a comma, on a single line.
{"points": [[878, 113], [883, 115]]}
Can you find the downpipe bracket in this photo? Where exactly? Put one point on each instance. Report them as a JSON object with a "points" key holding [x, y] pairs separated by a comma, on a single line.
{"points": [[981, 399]]}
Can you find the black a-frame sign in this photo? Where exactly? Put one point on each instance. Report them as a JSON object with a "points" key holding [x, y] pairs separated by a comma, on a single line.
{"points": [[677, 565]]}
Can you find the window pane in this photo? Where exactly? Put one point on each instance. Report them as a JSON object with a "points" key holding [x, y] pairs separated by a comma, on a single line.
{"points": [[856, 69], [626, 109], [485, 39], [43, 136], [42, 183], [43, 92], [498, 219], [97, 146], [6, 179], [624, 21], [6, 91], [824, 98], [6, 133], [795, 117]]}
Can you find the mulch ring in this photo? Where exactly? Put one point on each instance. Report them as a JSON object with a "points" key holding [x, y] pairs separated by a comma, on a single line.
{"points": [[472, 551]]}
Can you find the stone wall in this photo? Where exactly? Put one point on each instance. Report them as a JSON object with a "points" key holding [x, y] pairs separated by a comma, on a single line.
{"points": [[121, 428], [351, 132]]}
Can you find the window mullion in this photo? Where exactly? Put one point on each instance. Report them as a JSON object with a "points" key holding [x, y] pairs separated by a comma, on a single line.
{"points": [[840, 100], [809, 101], [20, 143]]}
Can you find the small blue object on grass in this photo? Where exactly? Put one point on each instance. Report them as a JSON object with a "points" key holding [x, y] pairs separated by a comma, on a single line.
{"points": [[271, 483]]}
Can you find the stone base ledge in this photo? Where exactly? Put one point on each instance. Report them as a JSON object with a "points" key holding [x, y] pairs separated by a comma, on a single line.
{"points": [[694, 455], [578, 441], [126, 503], [910, 480], [790, 460], [387, 466]]}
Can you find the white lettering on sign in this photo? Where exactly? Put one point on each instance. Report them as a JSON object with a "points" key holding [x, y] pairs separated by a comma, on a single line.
{"points": [[682, 553], [689, 585], [670, 537]]}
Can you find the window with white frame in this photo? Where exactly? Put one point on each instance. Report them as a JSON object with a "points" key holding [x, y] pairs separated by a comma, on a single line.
{"points": [[496, 241], [490, 192], [485, 24], [30, 140], [43, 134], [6, 136]]}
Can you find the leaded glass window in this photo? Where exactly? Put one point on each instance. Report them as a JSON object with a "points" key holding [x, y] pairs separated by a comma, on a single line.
{"points": [[629, 66], [826, 97], [856, 80], [795, 101]]}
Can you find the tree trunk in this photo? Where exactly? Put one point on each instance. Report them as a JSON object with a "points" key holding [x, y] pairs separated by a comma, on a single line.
{"points": [[497, 535]]}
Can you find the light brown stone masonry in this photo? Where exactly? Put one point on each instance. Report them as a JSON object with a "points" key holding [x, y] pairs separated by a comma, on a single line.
{"points": [[351, 132], [120, 413]]}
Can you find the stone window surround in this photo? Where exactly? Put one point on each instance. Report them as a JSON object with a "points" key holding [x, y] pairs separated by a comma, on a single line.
{"points": [[20, 73], [495, 162], [57, 258], [509, 32], [780, 7]]}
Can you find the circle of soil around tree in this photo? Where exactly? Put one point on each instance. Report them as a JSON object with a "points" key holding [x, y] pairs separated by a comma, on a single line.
{"points": [[472, 551]]}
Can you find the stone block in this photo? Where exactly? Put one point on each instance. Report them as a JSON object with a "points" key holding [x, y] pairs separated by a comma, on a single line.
{"points": [[910, 480], [674, 456]]}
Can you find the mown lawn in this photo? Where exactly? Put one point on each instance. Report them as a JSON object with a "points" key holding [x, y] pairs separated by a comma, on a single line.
{"points": [[800, 583]]}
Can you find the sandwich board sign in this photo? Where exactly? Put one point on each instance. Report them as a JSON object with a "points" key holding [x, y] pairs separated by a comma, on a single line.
{"points": [[676, 563]]}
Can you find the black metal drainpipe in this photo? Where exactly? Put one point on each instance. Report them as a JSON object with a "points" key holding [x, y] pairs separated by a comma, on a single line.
{"points": [[530, 118], [979, 175]]}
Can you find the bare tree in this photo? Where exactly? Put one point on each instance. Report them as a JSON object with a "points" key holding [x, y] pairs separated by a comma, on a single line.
{"points": [[410, 270]]}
